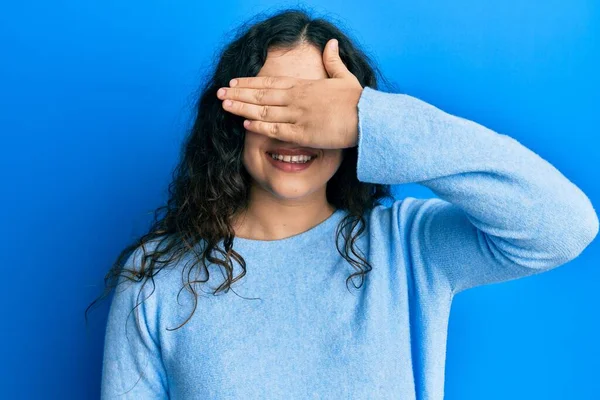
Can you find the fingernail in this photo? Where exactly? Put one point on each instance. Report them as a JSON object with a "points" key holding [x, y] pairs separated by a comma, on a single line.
{"points": [[233, 82], [228, 102], [221, 92]]}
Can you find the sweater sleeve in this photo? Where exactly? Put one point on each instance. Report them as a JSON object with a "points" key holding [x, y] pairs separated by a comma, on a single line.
{"points": [[503, 212], [132, 365]]}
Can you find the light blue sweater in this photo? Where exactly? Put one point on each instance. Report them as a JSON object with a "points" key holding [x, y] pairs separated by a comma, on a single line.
{"points": [[503, 213]]}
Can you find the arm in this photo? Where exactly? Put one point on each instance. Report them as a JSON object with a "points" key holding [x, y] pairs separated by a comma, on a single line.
{"points": [[503, 212], [132, 366]]}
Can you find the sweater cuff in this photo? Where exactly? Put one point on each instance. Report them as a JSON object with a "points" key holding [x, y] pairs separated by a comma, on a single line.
{"points": [[376, 146]]}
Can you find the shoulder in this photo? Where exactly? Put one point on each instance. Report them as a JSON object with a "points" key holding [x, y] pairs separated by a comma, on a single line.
{"points": [[393, 226], [161, 272], [400, 234], [401, 214]]}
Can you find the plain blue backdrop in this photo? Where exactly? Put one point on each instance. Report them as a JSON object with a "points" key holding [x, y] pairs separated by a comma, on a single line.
{"points": [[96, 97]]}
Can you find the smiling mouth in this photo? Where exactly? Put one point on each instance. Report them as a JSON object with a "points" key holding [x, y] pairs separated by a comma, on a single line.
{"points": [[312, 157]]}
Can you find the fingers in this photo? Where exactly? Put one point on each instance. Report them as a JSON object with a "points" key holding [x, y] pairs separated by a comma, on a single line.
{"points": [[263, 101], [260, 112], [273, 82], [259, 96], [281, 131]]}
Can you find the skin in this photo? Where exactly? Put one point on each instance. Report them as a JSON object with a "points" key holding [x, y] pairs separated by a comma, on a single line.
{"points": [[296, 97]]}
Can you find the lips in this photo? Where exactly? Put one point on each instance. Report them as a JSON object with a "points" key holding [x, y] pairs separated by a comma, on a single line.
{"points": [[292, 151]]}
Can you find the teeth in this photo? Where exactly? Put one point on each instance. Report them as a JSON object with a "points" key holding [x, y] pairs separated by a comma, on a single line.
{"points": [[292, 159]]}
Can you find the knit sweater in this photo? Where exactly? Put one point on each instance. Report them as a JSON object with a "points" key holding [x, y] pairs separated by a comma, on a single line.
{"points": [[292, 328]]}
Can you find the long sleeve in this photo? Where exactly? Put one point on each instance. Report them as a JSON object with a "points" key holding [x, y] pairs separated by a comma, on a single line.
{"points": [[132, 365], [503, 212]]}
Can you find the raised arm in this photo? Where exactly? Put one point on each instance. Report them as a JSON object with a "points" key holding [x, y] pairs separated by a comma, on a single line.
{"points": [[503, 212]]}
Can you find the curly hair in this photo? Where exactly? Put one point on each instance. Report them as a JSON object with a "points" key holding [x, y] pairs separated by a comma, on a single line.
{"points": [[210, 184]]}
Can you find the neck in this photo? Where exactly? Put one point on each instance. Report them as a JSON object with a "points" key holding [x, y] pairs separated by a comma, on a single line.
{"points": [[271, 218]]}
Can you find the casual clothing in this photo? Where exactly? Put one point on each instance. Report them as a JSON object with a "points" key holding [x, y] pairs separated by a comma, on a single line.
{"points": [[292, 329]]}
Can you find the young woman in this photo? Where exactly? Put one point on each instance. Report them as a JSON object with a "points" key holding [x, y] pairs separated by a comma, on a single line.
{"points": [[276, 217]]}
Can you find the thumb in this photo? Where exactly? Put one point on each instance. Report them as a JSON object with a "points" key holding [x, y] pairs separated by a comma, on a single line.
{"points": [[334, 65]]}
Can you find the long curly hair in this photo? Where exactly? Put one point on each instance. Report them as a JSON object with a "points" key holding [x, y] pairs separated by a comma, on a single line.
{"points": [[210, 183]]}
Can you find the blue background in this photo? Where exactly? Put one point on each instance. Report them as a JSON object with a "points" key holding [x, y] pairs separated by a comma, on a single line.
{"points": [[95, 98]]}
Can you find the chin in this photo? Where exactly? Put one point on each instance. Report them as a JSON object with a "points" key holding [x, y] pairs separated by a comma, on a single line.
{"points": [[290, 192]]}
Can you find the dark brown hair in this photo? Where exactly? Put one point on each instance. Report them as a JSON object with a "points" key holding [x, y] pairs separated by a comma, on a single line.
{"points": [[210, 183]]}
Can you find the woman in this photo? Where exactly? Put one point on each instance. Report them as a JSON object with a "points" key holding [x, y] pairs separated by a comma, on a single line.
{"points": [[286, 210]]}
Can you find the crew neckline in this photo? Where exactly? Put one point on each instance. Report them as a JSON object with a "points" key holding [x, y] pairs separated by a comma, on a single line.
{"points": [[315, 232]]}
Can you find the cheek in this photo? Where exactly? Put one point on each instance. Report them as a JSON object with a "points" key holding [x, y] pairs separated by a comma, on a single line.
{"points": [[251, 153], [332, 159], [252, 162]]}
